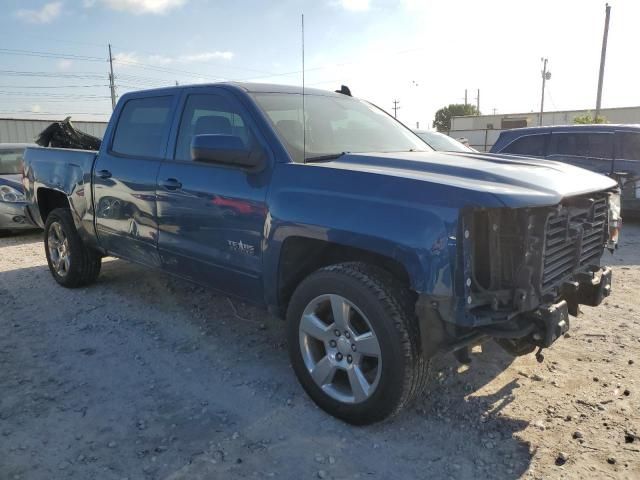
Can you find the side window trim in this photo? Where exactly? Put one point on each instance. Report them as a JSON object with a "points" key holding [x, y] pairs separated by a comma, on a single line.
{"points": [[165, 132]]}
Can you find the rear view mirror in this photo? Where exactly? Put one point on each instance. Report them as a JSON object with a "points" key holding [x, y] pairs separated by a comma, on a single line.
{"points": [[225, 150]]}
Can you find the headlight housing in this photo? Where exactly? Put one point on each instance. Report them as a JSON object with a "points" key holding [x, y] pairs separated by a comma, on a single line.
{"points": [[615, 220], [10, 195]]}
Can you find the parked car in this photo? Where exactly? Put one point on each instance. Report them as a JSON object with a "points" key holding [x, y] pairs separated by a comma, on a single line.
{"points": [[380, 252], [13, 215], [613, 150], [441, 142]]}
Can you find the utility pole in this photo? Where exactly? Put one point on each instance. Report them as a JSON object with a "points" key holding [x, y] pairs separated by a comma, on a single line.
{"points": [[478, 103], [603, 55], [545, 76], [112, 86], [465, 97], [396, 107]]}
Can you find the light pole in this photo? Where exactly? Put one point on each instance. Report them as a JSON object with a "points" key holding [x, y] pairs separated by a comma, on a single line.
{"points": [[603, 56], [545, 76]]}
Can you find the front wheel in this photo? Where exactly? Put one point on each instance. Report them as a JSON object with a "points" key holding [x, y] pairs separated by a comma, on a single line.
{"points": [[71, 262], [354, 343]]}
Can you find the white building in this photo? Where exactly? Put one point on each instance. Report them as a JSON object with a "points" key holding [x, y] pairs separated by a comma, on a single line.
{"points": [[483, 130], [19, 130]]}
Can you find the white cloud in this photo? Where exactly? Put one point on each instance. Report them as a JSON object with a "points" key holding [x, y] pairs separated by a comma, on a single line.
{"points": [[35, 108], [415, 5], [125, 58], [205, 56], [139, 7], [64, 64], [46, 14], [354, 5]]}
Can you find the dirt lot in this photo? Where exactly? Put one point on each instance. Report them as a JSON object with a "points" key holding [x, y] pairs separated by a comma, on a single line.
{"points": [[143, 376]]}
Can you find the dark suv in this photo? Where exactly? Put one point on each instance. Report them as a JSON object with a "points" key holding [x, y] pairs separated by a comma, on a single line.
{"points": [[613, 150]]}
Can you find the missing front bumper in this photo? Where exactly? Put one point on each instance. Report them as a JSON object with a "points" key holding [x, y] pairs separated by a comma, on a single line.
{"points": [[525, 332], [551, 321]]}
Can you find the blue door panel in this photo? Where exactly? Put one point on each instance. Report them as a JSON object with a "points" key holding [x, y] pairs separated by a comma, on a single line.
{"points": [[125, 207]]}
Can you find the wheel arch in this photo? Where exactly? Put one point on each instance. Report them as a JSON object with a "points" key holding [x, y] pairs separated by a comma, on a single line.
{"points": [[299, 256], [48, 199]]}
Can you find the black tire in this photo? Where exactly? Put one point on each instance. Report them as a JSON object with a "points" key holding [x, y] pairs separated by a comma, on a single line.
{"points": [[390, 312], [84, 262]]}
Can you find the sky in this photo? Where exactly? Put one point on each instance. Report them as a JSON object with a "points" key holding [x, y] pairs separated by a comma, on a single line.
{"points": [[422, 53]]}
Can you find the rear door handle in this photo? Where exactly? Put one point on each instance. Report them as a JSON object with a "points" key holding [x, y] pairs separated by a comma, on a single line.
{"points": [[104, 174], [172, 184]]}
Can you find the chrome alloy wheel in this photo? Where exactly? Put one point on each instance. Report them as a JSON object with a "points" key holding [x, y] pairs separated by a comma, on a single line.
{"points": [[340, 349], [59, 249]]}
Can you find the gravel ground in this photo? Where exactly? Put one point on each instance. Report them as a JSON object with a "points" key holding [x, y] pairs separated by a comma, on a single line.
{"points": [[142, 376]]}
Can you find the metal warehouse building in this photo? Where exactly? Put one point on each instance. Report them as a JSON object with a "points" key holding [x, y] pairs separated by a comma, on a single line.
{"points": [[17, 130]]}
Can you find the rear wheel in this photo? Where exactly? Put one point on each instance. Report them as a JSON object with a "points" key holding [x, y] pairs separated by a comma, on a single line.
{"points": [[71, 262], [354, 342]]}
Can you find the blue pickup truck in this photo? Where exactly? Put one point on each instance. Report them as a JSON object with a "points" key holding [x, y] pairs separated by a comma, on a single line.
{"points": [[379, 252]]}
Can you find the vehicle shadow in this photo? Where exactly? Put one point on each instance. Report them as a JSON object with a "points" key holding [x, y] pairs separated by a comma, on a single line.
{"points": [[628, 252], [463, 399]]}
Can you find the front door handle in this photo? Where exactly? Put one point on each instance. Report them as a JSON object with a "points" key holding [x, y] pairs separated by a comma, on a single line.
{"points": [[172, 184], [104, 174]]}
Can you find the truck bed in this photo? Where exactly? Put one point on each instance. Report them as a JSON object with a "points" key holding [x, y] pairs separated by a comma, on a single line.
{"points": [[67, 171]]}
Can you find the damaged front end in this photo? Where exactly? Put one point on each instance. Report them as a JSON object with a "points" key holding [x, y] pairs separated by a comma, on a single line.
{"points": [[523, 272]]}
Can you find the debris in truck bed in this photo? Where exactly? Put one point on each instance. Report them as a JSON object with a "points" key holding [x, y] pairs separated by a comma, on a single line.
{"points": [[64, 135]]}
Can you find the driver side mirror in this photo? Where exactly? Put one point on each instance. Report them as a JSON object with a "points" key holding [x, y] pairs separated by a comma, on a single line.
{"points": [[227, 150]]}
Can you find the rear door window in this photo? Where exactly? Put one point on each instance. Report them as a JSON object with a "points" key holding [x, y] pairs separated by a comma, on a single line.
{"points": [[595, 145], [629, 145], [532, 145], [142, 127], [572, 144], [11, 161], [601, 145]]}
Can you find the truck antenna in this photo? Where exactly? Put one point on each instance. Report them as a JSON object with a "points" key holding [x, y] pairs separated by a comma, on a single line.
{"points": [[304, 118]]}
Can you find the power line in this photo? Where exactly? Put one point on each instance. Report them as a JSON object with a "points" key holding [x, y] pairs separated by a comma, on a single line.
{"points": [[39, 54], [23, 73], [53, 95], [134, 64], [40, 87], [11, 112]]}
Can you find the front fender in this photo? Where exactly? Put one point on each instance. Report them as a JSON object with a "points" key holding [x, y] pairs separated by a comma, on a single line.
{"points": [[422, 238]]}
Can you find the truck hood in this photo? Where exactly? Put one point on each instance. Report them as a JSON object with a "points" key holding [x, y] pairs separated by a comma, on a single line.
{"points": [[515, 181], [13, 180]]}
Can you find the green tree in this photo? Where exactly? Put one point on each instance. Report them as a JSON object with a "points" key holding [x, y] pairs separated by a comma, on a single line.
{"points": [[587, 118], [442, 121]]}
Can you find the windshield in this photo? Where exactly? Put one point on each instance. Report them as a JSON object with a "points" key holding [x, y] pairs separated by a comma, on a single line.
{"points": [[443, 143], [334, 125], [10, 161]]}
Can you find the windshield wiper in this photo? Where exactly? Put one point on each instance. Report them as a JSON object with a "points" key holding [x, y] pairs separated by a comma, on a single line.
{"points": [[324, 158]]}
